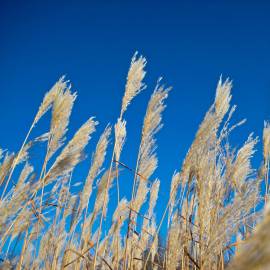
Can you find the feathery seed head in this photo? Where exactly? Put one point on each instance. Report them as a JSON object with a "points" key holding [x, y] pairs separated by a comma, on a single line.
{"points": [[134, 83], [62, 107], [72, 154], [96, 166], [153, 197], [223, 97], [50, 97], [266, 141], [120, 137]]}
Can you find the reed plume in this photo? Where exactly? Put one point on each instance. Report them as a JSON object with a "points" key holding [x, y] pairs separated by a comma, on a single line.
{"points": [[57, 219], [134, 83]]}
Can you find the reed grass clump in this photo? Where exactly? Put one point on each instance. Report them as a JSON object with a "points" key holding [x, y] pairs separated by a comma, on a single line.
{"points": [[216, 217]]}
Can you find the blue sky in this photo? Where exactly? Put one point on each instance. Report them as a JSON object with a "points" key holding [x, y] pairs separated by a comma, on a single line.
{"points": [[189, 43]]}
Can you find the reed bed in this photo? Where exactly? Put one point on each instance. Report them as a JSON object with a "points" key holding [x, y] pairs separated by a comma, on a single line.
{"points": [[217, 215]]}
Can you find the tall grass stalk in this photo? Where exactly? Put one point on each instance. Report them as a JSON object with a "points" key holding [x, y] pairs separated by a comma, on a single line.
{"points": [[217, 214]]}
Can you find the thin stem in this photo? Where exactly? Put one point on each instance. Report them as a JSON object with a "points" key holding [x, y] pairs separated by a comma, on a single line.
{"points": [[14, 163], [118, 200], [42, 173], [129, 215], [103, 207], [266, 181], [157, 231], [20, 264]]}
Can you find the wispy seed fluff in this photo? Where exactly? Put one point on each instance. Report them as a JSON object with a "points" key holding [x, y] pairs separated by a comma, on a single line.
{"points": [[62, 107], [25, 173], [134, 83], [121, 211], [96, 166], [223, 97], [266, 141], [153, 197], [1, 153], [103, 192], [49, 98], [254, 252], [120, 137], [208, 129], [174, 188], [72, 154], [152, 124], [5, 166], [242, 166], [147, 156]]}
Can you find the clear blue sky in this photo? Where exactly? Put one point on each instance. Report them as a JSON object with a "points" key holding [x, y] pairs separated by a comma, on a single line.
{"points": [[189, 43]]}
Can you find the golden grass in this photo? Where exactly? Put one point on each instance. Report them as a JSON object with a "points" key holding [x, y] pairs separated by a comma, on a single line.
{"points": [[211, 213]]}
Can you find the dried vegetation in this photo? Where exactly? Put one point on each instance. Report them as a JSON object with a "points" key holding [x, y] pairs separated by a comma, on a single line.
{"points": [[215, 202]]}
